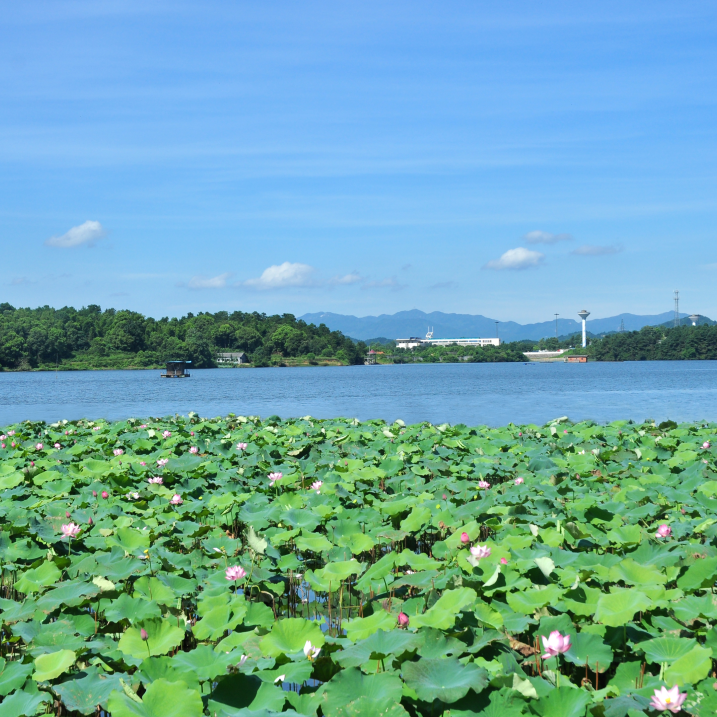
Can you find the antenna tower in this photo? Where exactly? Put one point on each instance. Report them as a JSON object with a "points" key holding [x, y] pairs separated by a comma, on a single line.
{"points": [[556, 325], [622, 326], [677, 308], [429, 333]]}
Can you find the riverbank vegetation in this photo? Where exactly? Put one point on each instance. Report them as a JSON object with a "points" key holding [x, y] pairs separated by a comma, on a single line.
{"points": [[450, 354], [651, 343], [237, 567], [90, 338]]}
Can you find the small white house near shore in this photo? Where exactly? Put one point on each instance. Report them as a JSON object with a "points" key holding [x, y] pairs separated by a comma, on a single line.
{"points": [[232, 359]]}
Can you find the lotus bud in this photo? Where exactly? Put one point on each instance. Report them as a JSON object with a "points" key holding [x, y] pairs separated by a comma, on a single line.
{"points": [[94, 493], [503, 561], [143, 634], [105, 494], [67, 514], [403, 619], [465, 538], [89, 522]]}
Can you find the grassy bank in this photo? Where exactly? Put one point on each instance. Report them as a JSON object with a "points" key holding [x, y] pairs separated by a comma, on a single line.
{"points": [[233, 566]]}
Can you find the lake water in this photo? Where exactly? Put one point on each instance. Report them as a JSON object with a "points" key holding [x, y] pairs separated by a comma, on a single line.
{"points": [[493, 394]]}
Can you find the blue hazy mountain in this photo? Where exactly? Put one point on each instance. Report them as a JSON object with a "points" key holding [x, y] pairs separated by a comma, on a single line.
{"points": [[450, 326]]}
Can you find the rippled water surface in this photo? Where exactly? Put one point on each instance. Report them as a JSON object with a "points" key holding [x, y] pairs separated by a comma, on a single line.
{"points": [[495, 394]]}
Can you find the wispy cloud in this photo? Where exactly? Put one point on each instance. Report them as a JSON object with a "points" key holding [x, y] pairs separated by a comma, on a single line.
{"points": [[443, 285], [353, 278], [391, 283], [538, 237], [22, 280], [593, 250], [87, 233], [280, 276], [214, 282], [516, 259]]}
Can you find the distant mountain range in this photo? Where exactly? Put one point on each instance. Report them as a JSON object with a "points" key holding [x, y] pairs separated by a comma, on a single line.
{"points": [[452, 326]]}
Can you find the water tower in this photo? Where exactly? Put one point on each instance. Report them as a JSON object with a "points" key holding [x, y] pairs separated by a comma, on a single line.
{"points": [[584, 315], [694, 318]]}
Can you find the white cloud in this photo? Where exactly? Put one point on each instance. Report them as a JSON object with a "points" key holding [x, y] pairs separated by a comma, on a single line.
{"points": [[515, 259], [443, 285], [87, 233], [279, 276], [203, 282], [353, 278], [539, 237], [21, 280], [592, 250]]}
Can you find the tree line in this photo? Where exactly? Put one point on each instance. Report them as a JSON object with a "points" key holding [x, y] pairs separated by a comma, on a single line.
{"points": [[92, 338]]}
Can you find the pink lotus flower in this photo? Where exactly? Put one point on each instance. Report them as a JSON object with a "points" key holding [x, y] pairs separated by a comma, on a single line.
{"points": [[118, 451], [133, 496], [105, 494], [32, 463], [157, 480], [58, 446], [465, 538], [564, 431], [503, 561], [310, 651], [519, 481], [143, 463], [236, 572], [162, 462], [664, 699], [191, 433], [480, 551], [194, 449], [520, 435], [11, 433], [176, 499], [664, 531], [38, 446], [143, 634], [273, 477], [706, 445], [166, 434], [316, 485], [13, 444], [95, 428], [94, 493], [403, 619], [241, 446], [555, 645], [70, 530], [483, 484], [3, 437], [2, 445]]}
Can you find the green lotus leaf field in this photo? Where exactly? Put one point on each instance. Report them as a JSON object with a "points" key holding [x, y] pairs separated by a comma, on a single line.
{"points": [[239, 567]]}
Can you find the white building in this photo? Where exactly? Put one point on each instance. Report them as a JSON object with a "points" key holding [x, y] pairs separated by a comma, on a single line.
{"points": [[414, 342], [232, 359]]}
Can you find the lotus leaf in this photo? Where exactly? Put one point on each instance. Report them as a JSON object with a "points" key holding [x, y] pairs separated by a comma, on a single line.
{"points": [[290, 635], [445, 679], [161, 699], [52, 665], [162, 636]]}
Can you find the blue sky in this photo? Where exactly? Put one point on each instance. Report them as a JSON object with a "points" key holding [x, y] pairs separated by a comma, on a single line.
{"points": [[511, 159]]}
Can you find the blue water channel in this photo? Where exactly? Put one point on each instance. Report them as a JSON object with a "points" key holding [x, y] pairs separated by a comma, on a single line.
{"points": [[493, 394]]}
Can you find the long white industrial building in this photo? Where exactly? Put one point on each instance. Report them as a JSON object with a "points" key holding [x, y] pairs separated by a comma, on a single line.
{"points": [[414, 342]]}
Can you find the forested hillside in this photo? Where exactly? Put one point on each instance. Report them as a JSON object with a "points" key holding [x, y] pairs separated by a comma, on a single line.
{"points": [[92, 338], [656, 343]]}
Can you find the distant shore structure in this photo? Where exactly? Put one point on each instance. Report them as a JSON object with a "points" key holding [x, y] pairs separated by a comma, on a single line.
{"points": [[414, 342], [694, 319], [232, 358], [177, 369], [584, 315]]}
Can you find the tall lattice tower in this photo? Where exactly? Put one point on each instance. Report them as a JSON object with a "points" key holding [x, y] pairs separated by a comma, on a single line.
{"points": [[622, 326], [677, 308]]}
